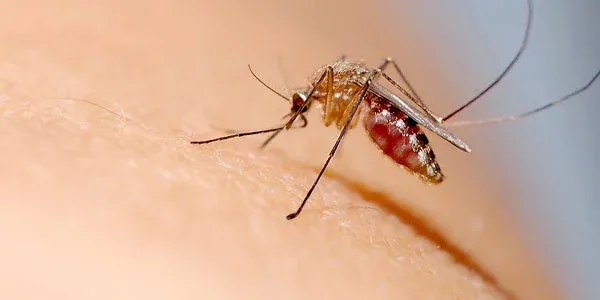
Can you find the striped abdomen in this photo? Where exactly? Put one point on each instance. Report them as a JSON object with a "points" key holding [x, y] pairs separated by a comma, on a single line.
{"points": [[400, 138]]}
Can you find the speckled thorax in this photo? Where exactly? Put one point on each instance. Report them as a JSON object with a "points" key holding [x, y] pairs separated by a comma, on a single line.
{"points": [[348, 79]]}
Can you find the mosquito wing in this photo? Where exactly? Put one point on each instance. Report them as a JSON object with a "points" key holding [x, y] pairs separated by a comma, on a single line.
{"points": [[419, 117]]}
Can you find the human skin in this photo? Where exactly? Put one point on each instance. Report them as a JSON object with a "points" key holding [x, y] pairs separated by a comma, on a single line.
{"points": [[113, 202]]}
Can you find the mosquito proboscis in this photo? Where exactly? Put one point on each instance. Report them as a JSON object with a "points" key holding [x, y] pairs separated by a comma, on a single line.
{"points": [[349, 90]]}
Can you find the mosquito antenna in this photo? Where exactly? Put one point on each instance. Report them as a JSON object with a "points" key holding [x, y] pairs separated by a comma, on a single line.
{"points": [[528, 113], [267, 86], [507, 69]]}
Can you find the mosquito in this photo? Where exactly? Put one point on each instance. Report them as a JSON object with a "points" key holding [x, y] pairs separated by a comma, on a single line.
{"points": [[348, 91]]}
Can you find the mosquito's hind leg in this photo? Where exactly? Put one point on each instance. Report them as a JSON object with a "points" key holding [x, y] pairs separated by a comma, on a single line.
{"points": [[512, 63], [527, 113], [413, 94], [392, 61]]}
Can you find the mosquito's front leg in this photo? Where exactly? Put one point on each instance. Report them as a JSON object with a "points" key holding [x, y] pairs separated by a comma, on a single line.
{"points": [[329, 97], [327, 75]]}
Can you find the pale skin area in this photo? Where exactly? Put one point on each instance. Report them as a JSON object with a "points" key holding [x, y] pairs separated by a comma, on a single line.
{"points": [[98, 207]]}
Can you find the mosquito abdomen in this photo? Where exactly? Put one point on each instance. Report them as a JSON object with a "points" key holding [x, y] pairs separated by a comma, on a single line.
{"points": [[400, 138]]}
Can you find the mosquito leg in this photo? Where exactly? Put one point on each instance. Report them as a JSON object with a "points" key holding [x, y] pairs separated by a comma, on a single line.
{"points": [[328, 74], [416, 99], [528, 113], [329, 99], [268, 140], [506, 69], [355, 106], [389, 61], [235, 135], [407, 94], [234, 131]]}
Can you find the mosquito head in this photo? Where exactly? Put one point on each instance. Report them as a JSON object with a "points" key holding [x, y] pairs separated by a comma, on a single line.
{"points": [[298, 100]]}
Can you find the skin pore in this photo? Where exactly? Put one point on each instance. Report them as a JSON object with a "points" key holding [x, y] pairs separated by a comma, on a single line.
{"points": [[100, 206]]}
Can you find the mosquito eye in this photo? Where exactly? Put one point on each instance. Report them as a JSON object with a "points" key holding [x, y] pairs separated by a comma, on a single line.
{"points": [[297, 100]]}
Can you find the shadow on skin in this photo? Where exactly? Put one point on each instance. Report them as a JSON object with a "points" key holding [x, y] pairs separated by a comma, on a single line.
{"points": [[421, 227], [407, 215]]}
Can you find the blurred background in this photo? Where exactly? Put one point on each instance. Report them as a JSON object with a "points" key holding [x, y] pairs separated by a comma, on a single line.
{"points": [[521, 207]]}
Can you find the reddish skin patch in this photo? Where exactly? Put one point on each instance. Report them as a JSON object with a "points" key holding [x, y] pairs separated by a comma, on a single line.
{"points": [[400, 138]]}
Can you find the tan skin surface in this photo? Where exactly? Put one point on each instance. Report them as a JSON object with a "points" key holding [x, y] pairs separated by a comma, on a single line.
{"points": [[98, 207]]}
